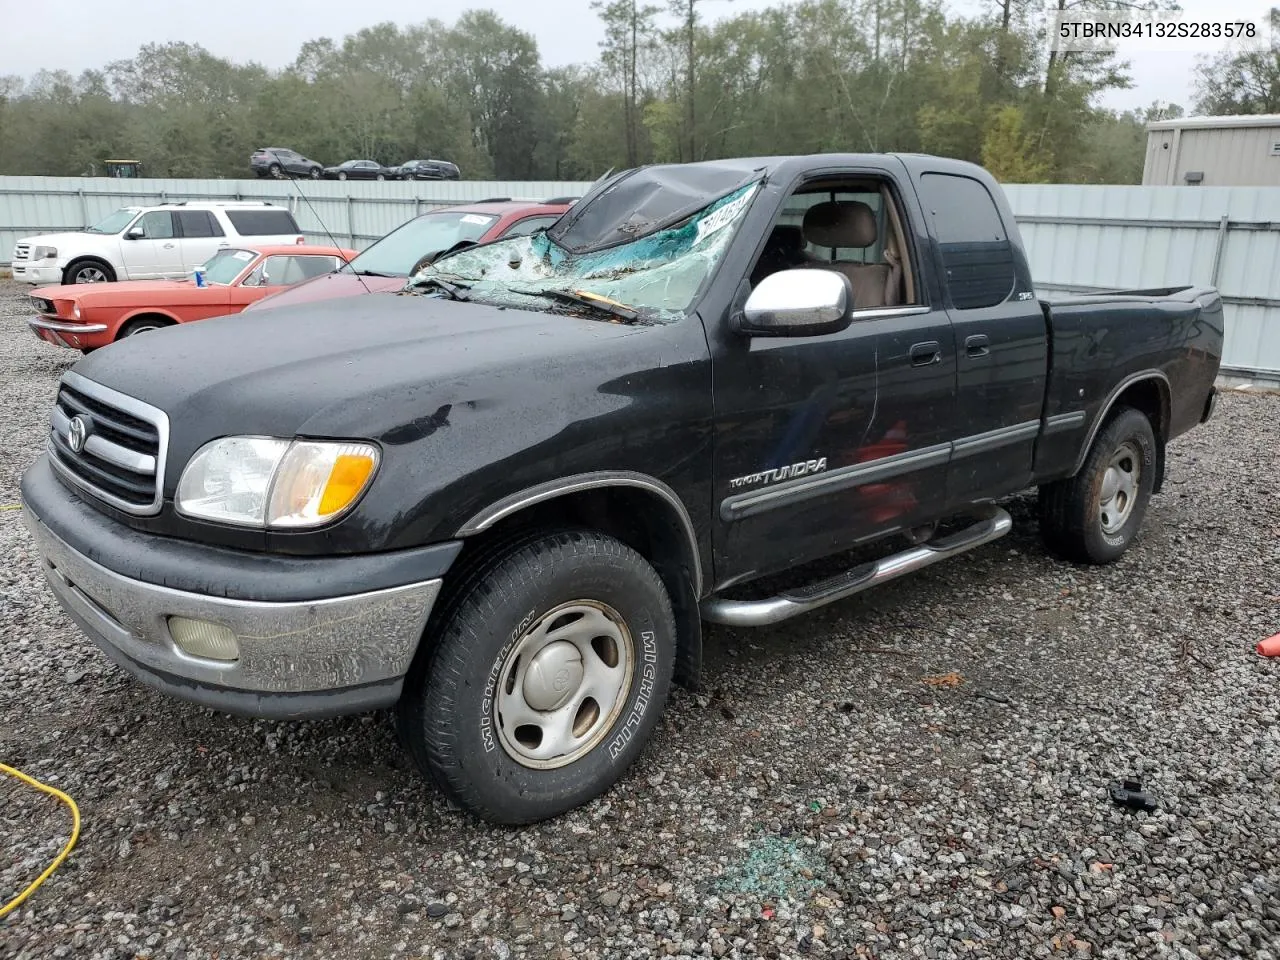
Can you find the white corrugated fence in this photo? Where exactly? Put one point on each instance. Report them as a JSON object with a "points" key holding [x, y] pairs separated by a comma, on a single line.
{"points": [[1079, 238]]}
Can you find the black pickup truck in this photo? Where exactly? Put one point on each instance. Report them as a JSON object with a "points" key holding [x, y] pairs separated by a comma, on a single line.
{"points": [[504, 502]]}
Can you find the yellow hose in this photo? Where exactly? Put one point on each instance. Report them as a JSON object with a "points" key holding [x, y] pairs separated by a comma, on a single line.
{"points": [[75, 835]]}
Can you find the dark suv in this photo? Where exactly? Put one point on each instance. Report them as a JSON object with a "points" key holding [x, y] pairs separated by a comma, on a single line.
{"points": [[278, 161], [428, 170]]}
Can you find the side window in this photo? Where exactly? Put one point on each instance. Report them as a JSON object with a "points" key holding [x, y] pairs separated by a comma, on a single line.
{"points": [[263, 223], [288, 270], [850, 225], [198, 223], [157, 225], [522, 228], [976, 254]]}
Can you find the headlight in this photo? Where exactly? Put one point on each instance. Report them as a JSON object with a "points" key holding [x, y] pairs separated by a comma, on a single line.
{"points": [[266, 482], [44, 253]]}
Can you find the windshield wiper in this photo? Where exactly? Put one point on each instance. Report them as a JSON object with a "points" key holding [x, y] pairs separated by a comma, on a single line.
{"points": [[594, 302], [371, 273], [454, 291]]}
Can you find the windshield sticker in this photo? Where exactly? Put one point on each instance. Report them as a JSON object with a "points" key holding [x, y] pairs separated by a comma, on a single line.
{"points": [[476, 218], [723, 216], [243, 255]]}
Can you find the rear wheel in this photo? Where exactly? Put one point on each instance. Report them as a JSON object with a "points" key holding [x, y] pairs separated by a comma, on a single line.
{"points": [[88, 271], [1094, 516], [382, 176], [274, 170], [544, 678]]}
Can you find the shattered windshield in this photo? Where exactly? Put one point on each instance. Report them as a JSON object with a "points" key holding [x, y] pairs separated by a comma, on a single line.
{"points": [[657, 276]]}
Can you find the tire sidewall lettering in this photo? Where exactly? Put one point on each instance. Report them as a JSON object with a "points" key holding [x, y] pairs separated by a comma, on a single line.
{"points": [[648, 675], [487, 711]]}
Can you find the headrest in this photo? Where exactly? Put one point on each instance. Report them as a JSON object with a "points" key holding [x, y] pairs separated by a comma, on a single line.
{"points": [[840, 223]]}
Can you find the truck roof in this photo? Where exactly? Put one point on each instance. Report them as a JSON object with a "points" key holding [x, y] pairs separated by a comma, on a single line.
{"points": [[634, 203]]}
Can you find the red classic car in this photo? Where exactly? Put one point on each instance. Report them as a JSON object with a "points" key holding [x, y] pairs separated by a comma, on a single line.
{"points": [[86, 316], [385, 265]]}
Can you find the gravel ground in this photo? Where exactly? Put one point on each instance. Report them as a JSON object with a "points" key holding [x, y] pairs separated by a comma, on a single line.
{"points": [[833, 792]]}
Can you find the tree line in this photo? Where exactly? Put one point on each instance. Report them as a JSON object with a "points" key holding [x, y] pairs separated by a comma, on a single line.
{"points": [[669, 84]]}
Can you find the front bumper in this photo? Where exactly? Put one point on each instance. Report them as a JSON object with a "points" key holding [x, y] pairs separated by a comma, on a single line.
{"points": [[37, 272], [303, 659], [63, 334]]}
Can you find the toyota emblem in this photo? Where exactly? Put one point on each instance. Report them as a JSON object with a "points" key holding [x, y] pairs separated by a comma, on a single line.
{"points": [[76, 434]]}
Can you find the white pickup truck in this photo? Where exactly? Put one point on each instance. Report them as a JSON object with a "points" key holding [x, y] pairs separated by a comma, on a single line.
{"points": [[150, 243]]}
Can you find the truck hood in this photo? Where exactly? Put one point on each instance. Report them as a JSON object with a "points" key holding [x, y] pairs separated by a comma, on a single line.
{"points": [[330, 286], [357, 367]]}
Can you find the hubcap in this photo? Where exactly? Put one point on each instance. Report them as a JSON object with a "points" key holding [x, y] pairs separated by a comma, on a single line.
{"points": [[90, 275], [563, 684], [1120, 487]]}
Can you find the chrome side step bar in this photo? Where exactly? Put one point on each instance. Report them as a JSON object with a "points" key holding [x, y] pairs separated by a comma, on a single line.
{"points": [[993, 523]]}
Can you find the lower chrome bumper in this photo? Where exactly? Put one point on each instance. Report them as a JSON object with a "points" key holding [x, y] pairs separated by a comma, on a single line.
{"points": [[309, 658], [40, 323]]}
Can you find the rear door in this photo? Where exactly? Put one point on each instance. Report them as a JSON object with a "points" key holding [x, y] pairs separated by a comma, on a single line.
{"points": [[154, 254], [202, 237], [999, 336]]}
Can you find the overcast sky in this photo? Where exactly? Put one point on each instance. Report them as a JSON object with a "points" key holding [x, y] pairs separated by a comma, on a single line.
{"points": [[271, 31]]}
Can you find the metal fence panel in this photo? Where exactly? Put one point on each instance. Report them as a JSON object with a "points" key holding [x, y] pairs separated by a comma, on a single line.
{"points": [[1079, 238]]}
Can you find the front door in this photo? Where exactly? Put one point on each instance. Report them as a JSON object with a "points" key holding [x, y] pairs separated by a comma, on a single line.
{"points": [[823, 442], [149, 248]]}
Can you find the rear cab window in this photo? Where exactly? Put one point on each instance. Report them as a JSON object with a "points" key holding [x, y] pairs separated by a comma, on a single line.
{"points": [[263, 223], [977, 257]]}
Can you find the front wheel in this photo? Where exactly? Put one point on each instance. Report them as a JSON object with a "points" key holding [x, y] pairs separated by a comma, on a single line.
{"points": [[88, 271], [1094, 516], [544, 678], [342, 176], [144, 325]]}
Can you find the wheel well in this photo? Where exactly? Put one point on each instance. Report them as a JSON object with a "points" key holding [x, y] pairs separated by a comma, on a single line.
{"points": [[88, 259], [643, 521], [163, 319], [1149, 397]]}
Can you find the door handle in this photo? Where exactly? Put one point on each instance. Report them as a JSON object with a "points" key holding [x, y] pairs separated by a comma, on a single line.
{"points": [[977, 345], [925, 354], [168, 246]]}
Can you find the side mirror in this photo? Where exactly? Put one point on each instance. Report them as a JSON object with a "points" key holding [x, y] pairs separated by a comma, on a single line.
{"points": [[797, 303], [135, 233]]}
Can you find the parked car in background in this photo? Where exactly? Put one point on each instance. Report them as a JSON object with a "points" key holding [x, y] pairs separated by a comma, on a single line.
{"points": [[278, 161], [384, 266], [149, 243], [85, 317], [357, 170], [427, 170]]}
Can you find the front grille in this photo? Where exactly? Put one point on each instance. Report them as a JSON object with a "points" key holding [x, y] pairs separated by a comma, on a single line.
{"points": [[43, 306], [122, 443], [22, 251]]}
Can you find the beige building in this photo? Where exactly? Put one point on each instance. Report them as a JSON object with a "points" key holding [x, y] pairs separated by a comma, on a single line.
{"points": [[1214, 151]]}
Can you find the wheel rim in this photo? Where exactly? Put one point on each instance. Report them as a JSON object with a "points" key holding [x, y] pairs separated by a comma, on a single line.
{"points": [[91, 275], [145, 329], [342, 176], [563, 684], [1120, 487], [315, 174]]}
